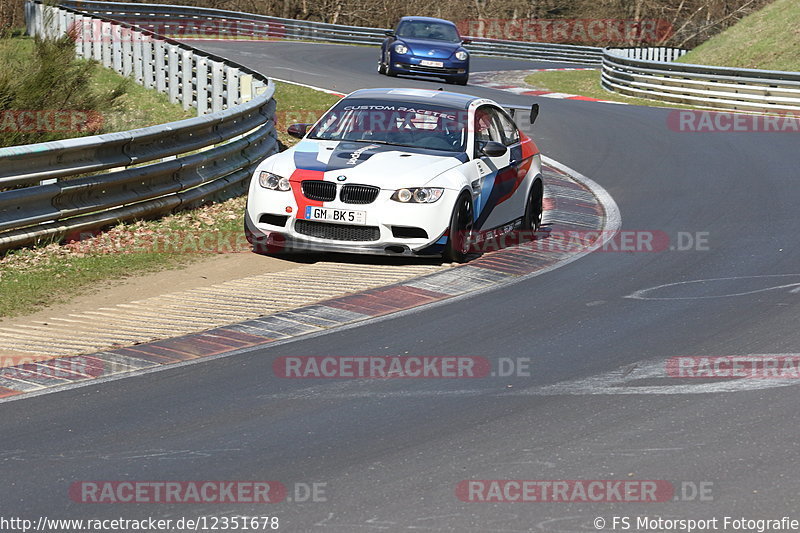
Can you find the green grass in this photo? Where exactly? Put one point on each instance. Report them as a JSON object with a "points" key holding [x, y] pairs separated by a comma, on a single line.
{"points": [[138, 107], [767, 39], [33, 278], [299, 104], [30, 80]]}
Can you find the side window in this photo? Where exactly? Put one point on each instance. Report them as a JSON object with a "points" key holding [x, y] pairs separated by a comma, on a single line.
{"points": [[508, 129], [487, 126]]}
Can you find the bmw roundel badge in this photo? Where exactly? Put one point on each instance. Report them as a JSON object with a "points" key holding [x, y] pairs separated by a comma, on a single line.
{"points": [[341, 178]]}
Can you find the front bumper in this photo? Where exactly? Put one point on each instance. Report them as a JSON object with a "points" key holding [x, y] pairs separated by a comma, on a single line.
{"points": [[408, 64], [378, 235], [272, 241]]}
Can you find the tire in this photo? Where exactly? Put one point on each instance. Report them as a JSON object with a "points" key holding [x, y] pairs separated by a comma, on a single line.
{"points": [[381, 66], [461, 80], [532, 220], [460, 239]]}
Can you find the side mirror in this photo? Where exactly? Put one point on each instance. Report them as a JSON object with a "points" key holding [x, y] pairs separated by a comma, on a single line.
{"points": [[492, 148], [466, 41], [297, 131], [389, 33], [534, 113]]}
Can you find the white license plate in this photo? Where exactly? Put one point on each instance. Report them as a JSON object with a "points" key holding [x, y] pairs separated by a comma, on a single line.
{"points": [[343, 216], [428, 63]]}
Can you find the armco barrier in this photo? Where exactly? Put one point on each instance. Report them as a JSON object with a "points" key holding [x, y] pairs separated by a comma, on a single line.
{"points": [[650, 73], [59, 188], [188, 21]]}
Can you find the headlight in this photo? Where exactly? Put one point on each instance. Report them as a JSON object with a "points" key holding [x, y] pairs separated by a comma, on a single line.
{"points": [[273, 182], [400, 48], [461, 55], [421, 195]]}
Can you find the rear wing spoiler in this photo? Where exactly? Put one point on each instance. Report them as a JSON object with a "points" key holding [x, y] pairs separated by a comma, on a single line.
{"points": [[512, 109]]}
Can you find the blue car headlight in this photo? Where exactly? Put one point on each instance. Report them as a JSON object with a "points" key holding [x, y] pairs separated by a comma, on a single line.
{"points": [[421, 195], [462, 55], [400, 48]]}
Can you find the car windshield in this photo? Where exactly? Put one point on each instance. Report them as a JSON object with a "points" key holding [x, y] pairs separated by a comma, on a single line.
{"points": [[397, 123], [435, 31]]}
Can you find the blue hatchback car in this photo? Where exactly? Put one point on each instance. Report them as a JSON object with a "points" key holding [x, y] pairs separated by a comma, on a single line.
{"points": [[425, 46]]}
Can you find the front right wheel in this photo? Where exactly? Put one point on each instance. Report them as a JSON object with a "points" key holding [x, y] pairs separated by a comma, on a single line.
{"points": [[534, 208], [460, 239]]}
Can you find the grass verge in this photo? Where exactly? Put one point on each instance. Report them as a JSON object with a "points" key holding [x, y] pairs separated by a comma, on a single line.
{"points": [[298, 104], [34, 278], [767, 39]]}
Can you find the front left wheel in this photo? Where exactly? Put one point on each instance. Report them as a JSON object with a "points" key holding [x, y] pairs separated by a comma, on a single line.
{"points": [[460, 239]]}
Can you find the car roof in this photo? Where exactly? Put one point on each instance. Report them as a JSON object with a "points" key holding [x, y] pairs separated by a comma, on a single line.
{"points": [[425, 19], [417, 96]]}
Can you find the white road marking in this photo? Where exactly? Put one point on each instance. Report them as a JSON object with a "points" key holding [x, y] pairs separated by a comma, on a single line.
{"points": [[643, 294]]}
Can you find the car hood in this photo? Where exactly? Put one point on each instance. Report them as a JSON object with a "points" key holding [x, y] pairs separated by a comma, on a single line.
{"points": [[431, 49], [381, 165]]}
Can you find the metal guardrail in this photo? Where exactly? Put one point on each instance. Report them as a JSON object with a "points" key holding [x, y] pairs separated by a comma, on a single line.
{"points": [[47, 190], [645, 74], [189, 21]]}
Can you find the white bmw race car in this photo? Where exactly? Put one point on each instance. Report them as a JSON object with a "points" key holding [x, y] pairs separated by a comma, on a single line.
{"points": [[398, 172]]}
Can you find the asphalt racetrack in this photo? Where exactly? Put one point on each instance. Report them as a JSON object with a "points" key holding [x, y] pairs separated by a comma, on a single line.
{"points": [[389, 455]]}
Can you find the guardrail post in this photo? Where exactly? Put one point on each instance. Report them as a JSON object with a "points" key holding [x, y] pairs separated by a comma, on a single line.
{"points": [[70, 22], [49, 22], [202, 85], [161, 82], [232, 89], [78, 25], [245, 87], [127, 51], [105, 31], [187, 83], [148, 75], [97, 40], [116, 48], [259, 87], [136, 43], [173, 73], [86, 33], [61, 16], [217, 85], [28, 18], [39, 28]]}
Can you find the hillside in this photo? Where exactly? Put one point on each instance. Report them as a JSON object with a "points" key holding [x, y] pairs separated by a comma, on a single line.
{"points": [[766, 39]]}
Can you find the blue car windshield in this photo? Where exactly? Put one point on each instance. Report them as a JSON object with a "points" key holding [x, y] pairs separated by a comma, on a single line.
{"points": [[396, 123], [435, 31]]}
